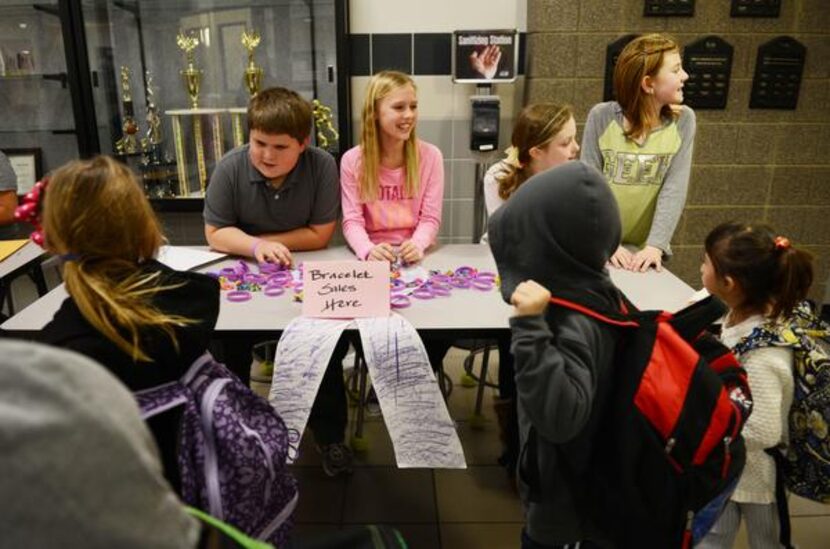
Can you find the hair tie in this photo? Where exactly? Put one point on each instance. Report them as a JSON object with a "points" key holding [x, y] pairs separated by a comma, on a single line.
{"points": [[782, 243], [512, 153]]}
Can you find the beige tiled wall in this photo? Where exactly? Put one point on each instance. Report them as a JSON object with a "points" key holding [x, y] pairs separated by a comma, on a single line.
{"points": [[749, 164]]}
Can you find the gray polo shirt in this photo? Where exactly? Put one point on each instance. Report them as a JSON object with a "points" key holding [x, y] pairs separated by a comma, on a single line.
{"points": [[8, 182], [239, 196]]}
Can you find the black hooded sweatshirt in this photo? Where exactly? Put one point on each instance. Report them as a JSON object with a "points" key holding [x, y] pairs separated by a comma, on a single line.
{"points": [[197, 298], [559, 229]]}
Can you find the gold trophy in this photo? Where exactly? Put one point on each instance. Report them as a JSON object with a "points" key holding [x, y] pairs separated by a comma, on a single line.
{"points": [[192, 76], [253, 74], [129, 128], [323, 125]]}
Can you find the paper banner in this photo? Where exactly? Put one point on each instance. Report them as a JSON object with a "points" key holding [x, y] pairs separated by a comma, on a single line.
{"points": [[416, 416]]}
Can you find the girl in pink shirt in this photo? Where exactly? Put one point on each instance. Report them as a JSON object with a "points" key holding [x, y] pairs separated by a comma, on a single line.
{"points": [[392, 184]]}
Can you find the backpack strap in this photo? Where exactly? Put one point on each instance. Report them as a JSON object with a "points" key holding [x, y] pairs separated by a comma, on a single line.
{"points": [[615, 319], [156, 400], [781, 503], [223, 534]]}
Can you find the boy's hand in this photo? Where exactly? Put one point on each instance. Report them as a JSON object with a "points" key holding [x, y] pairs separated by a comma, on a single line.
{"points": [[382, 252], [529, 299], [410, 252], [272, 252]]}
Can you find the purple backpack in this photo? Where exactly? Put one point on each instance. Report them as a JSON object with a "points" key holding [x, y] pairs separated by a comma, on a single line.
{"points": [[232, 450]]}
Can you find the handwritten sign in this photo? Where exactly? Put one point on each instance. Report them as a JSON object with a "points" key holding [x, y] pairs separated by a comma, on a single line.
{"points": [[345, 289]]}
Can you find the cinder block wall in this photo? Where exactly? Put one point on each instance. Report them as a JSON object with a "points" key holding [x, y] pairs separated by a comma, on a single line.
{"points": [[752, 165]]}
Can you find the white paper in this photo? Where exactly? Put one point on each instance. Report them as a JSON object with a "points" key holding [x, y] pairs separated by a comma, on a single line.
{"points": [[413, 272], [416, 416], [303, 352], [414, 410], [182, 258]]}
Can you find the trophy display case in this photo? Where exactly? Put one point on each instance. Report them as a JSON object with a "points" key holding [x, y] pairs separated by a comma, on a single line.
{"points": [[172, 80], [33, 74]]}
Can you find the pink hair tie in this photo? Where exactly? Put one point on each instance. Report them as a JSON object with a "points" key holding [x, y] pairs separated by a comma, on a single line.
{"points": [[782, 243]]}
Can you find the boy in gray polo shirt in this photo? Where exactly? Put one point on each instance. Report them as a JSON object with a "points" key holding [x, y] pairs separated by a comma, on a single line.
{"points": [[266, 199], [276, 194]]}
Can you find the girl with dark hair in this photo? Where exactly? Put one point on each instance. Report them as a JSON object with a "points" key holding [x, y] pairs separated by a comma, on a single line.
{"points": [[762, 278]]}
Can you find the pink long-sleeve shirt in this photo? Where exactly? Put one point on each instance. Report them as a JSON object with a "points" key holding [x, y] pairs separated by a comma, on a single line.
{"points": [[392, 217]]}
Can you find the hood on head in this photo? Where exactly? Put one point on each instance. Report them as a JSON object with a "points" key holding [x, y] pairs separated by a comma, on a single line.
{"points": [[559, 229], [80, 468]]}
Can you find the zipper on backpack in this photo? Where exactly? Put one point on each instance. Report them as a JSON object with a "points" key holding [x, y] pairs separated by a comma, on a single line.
{"points": [[727, 456], [687, 534], [668, 449]]}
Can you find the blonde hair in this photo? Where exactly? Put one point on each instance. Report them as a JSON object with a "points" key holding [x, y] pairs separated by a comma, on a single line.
{"points": [[381, 85], [642, 57], [96, 212], [536, 126]]}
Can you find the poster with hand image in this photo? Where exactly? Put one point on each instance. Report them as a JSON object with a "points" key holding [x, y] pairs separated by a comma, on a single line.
{"points": [[485, 56]]}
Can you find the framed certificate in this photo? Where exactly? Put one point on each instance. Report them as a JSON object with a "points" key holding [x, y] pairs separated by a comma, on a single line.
{"points": [[27, 165]]}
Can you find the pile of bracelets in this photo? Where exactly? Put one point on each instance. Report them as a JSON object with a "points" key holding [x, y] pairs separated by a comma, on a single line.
{"points": [[275, 280], [439, 284]]}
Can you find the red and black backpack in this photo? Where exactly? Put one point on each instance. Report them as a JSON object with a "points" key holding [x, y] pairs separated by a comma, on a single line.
{"points": [[668, 451]]}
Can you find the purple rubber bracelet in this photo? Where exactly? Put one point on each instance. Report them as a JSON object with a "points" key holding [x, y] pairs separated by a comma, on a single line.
{"points": [[242, 267], [254, 277], [224, 271], [399, 302], [255, 246], [440, 278], [440, 290], [483, 285], [486, 275], [270, 268], [397, 284], [280, 278], [238, 296], [274, 291], [465, 272], [460, 282], [424, 292], [231, 277]]}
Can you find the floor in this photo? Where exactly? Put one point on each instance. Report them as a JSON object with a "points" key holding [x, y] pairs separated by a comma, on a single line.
{"points": [[434, 509]]}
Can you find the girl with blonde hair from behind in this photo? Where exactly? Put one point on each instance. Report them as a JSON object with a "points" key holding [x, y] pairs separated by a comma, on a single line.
{"points": [[544, 136], [143, 321], [642, 142]]}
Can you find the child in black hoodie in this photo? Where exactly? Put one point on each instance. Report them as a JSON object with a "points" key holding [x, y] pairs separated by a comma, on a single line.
{"points": [[555, 236]]}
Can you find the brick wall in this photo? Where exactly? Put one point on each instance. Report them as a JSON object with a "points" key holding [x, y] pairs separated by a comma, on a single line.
{"points": [[749, 164]]}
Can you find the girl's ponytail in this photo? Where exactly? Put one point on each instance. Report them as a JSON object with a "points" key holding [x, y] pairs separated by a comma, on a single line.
{"points": [[793, 278]]}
